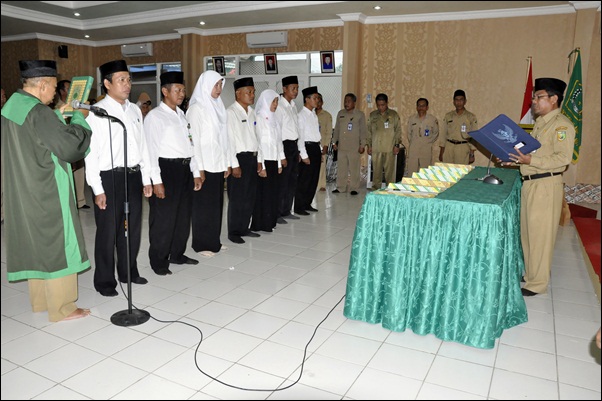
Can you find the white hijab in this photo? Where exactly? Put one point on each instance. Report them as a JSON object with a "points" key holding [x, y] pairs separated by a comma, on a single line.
{"points": [[263, 105], [202, 96]]}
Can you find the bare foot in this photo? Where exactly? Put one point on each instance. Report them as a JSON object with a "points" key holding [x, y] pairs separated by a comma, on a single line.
{"points": [[78, 313], [207, 254]]}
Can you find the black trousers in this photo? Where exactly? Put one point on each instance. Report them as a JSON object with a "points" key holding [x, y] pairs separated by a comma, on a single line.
{"points": [[309, 174], [207, 212], [287, 181], [169, 218], [241, 194], [111, 229], [265, 213]]}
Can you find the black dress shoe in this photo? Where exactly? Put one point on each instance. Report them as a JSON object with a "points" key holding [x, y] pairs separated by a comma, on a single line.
{"points": [[301, 212], [84, 207], [311, 209], [292, 217], [251, 234], [163, 272], [137, 280], [353, 192], [237, 239], [281, 220], [527, 293], [109, 293], [336, 191]]}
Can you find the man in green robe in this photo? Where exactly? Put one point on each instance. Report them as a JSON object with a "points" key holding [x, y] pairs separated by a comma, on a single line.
{"points": [[44, 239]]}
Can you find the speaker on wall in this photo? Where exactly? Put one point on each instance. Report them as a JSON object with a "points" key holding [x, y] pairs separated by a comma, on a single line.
{"points": [[63, 51]]}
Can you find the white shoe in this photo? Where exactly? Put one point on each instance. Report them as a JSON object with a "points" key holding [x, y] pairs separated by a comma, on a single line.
{"points": [[223, 248], [207, 254]]}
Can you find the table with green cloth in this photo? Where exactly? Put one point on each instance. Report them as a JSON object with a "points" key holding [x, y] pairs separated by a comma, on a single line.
{"points": [[449, 265]]}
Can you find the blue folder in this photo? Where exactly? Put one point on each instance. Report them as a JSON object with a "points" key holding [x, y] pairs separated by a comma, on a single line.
{"points": [[502, 136]]}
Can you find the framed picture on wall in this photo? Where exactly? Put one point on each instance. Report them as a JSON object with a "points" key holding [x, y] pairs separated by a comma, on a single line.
{"points": [[218, 65], [327, 61], [270, 62]]}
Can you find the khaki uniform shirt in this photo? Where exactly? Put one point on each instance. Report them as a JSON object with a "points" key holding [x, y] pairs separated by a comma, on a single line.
{"points": [[457, 126], [325, 120], [350, 139], [423, 131], [556, 134], [384, 131]]}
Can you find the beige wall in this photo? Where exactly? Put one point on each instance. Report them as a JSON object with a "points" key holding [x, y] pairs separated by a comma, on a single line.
{"points": [[486, 58]]}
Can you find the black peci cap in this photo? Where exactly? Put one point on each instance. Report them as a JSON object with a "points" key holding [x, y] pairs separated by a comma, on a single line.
{"points": [[309, 91], [460, 92], [37, 68], [112, 67], [242, 82], [550, 85], [172, 77], [290, 80]]}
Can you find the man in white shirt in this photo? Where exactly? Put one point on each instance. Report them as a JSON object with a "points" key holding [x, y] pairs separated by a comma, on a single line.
{"points": [[246, 164], [175, 175], [311, 152], [106, 174], [286, 119]]}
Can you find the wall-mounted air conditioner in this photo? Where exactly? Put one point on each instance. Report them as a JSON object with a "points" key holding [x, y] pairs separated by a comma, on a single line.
{"points": [[137, 50], [267, 39]]}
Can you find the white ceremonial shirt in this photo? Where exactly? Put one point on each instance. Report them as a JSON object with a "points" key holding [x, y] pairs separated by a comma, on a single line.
{"points": [[270, 141], [241, 132], [106, 146], [210, 145], [168, 136], [309, 130], [286, 118]]}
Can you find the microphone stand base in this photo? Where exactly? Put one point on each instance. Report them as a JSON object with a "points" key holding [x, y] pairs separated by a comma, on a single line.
{"points": [[125, 318], [492, 179]]}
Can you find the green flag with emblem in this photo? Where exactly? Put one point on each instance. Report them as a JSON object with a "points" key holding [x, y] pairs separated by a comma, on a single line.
{"points": [[573, 102]]}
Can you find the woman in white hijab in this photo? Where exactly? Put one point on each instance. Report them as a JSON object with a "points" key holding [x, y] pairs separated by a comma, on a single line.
{"points": [[265, 213], [206, 116]]}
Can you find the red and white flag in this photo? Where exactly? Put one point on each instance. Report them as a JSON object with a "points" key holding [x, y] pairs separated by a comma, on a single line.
{"points": [[526, 117]]}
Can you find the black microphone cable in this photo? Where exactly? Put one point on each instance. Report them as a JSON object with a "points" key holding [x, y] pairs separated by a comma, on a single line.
{"points": [[246, 388]]}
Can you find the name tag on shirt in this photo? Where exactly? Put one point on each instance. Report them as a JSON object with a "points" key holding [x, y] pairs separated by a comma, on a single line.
{"points": [[349, 126], [386, 125]]}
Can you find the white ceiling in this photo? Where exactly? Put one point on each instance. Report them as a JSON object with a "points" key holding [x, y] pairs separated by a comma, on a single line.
{"points": [[121, 22]]}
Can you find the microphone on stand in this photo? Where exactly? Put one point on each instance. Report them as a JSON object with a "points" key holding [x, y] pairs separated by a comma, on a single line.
{"points": [[76, 104], [490, 178]]}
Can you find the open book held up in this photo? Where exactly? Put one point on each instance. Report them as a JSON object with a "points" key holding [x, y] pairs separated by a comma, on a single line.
{"points": [[80, 90], [502, 136]]}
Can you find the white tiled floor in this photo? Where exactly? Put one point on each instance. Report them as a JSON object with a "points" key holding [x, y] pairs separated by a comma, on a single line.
{"points": [[258, 304]]}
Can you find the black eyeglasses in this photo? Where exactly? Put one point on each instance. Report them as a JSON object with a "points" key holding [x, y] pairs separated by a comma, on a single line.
{"points": [[539, 96]]}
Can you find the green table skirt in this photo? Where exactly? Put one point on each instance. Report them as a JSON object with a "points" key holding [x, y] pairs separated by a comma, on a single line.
{"points": [[449, 265]]}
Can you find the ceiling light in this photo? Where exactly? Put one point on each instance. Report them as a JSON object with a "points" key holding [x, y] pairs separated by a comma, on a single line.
{"points": [[76, 14], [202, 23], [377, 7], [86, 36]]}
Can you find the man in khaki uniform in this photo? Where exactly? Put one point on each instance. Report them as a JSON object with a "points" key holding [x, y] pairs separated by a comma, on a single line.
{"points": [[349, 139], [454, 140], [543, 188], [384, 140], [423, 132], [325, 121]]}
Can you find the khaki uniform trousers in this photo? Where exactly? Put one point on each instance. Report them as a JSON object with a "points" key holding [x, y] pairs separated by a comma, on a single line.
{"points": [[56, 295], [382, 160], [541, 204], [322, 177], [348, 164], [456, 154], [79, 180]]}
